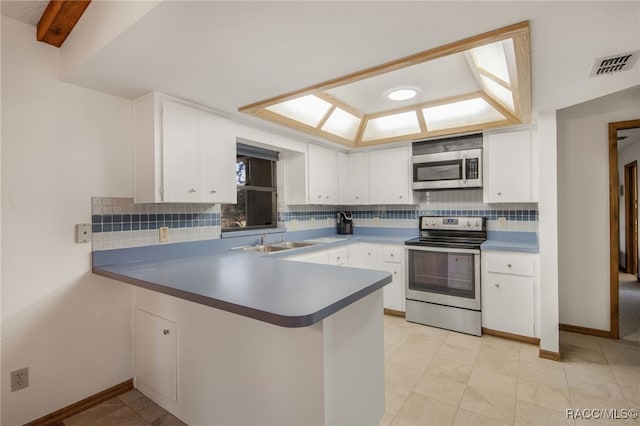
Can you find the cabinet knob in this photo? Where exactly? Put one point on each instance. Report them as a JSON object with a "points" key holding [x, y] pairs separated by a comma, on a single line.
{"points": [[357, 198], [499, 193], [497, 285], [319, 196], [165, 331], [400, 196], [338, 257], [395, 272], [509, 265], [192, 190], [327, 197]]}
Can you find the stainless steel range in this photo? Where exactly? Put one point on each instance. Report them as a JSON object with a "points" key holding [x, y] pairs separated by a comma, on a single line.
{"points": [[443, 273]]}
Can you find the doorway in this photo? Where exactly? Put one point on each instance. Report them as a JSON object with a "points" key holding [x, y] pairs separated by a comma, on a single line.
{"points": [[631, 217], [614, 223]]}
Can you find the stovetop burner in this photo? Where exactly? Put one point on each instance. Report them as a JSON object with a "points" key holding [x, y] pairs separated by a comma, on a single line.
{"points": [[447, 231]]}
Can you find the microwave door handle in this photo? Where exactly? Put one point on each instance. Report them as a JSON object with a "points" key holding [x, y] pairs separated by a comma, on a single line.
{"points": [[464, 169]]}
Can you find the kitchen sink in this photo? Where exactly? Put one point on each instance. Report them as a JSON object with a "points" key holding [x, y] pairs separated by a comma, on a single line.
{"points": [[270, 248], [293, 244], [264, 248]]}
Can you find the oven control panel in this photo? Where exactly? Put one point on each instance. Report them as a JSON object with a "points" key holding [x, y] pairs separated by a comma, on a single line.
{"points": [[460, 223]]}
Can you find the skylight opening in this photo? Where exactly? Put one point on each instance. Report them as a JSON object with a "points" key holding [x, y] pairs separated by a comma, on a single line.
{"points": [[490, 86], [308, 109], [498, 91], [390, 126], [459, 114], [491, 58], [343, 124]]}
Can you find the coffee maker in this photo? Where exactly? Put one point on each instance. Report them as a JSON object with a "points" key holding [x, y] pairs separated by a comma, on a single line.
{"points": [[345, 223]]}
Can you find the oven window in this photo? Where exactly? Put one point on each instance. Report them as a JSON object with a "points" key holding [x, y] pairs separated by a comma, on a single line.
{"points": [[443, 273], [437, 170]]}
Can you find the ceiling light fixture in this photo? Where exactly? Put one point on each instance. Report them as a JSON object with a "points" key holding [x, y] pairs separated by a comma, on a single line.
{"points": [[401, 93]]}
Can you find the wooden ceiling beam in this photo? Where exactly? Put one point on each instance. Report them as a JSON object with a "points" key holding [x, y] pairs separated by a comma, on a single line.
{"points": [[58, 20]]}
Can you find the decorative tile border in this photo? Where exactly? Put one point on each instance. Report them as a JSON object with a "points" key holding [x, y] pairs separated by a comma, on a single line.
{"points": [[119, 223]]}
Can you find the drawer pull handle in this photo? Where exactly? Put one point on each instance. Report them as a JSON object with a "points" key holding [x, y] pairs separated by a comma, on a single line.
{"points": [[165, 331], [192, 190]]}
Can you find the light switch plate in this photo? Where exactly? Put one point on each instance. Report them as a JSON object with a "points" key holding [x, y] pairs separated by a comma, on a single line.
{"points": [[83, 233], [164, 234]]}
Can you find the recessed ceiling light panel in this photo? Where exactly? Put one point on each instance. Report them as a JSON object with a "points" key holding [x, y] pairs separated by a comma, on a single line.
{"points": [[401, 93]]}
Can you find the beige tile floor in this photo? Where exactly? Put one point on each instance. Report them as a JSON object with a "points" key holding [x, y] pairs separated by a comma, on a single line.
{"points": [[437, 377], [129, 409]]}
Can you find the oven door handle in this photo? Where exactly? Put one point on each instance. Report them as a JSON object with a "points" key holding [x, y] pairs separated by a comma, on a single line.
{"points": [[442, 249]]}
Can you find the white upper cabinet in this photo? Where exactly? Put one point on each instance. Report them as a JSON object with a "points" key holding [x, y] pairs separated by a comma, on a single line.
{"points": [[357, 179], [219, 154], [312, 178], [390, 176], [323, 175], [182, 154], [509, 164]]}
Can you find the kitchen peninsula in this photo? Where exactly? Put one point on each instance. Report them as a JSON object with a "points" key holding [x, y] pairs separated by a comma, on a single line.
{"points": [[261, 340]]}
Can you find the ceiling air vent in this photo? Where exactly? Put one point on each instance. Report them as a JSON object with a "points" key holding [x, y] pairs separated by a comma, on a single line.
{"points": [[615, 63]]}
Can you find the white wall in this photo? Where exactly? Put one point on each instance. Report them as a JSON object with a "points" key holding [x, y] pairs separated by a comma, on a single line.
{"points": [[548, 232], [583, 204], [61, 144]]}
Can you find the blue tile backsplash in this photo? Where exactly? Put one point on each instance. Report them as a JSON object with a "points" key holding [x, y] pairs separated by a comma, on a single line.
{"points": [[119, 223]]}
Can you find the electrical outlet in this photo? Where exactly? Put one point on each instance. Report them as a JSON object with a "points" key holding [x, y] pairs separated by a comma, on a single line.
{"points": [[19, 379], [83, 233], [502, 222], [164, 234]]}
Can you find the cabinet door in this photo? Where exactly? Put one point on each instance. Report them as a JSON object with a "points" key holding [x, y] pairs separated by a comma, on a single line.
{"points": [[357, 178], [181, 153], [365, 255], [219, 157], [323, 175], [507, 167], [389, 176], [393, 293], [508, 303], [155, 364]]}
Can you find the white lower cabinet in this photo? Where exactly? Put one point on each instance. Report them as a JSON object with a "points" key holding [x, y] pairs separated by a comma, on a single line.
{"points": [[388, 258], [336, 256], [392, 262], [155, 349], [509, 287], [384, 257]]}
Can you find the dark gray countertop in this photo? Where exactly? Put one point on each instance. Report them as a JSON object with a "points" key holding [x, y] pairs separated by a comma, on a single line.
{"points": [[277, 291]]}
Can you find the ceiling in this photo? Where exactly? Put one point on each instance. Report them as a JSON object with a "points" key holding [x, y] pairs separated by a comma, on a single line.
{"points": [[226, 55]]}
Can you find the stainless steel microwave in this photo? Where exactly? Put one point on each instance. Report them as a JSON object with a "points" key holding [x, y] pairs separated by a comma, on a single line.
{"points": [[446, 170]]}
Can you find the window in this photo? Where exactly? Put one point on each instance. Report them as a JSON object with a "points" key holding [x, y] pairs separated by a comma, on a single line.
{"points": [[256, 207]]}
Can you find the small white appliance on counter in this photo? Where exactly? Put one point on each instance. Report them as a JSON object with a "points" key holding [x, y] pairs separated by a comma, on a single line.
{"points": [[443, 273]]}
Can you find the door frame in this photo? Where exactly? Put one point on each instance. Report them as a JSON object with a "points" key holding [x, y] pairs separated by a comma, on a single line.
{"points": [[631, 217], [614, 224]]}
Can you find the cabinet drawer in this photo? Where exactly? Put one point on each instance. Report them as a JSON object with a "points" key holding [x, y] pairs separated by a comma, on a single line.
{"points": [[392, 254], [510, 264], [339, 257]]}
